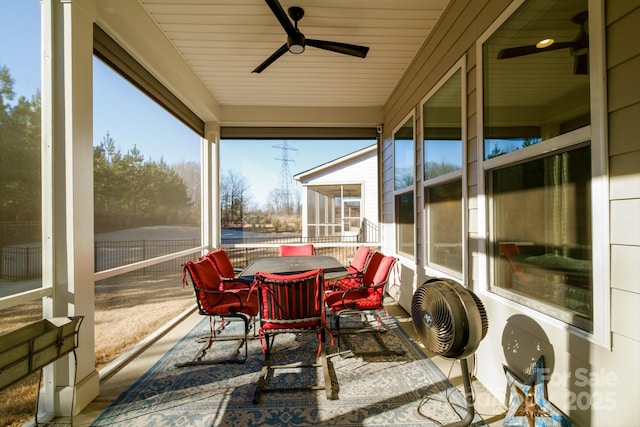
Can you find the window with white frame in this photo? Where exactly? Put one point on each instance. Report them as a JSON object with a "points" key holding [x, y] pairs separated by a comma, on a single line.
{"points": [[443, 160], [403, 182], [538, 158]]}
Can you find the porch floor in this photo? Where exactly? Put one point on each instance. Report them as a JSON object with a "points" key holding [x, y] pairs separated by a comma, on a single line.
{"points": [[491, 410]]}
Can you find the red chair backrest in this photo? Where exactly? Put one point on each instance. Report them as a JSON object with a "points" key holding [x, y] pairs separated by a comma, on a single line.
{"points": [[359, 261], [296, 250], [382, 274], [204, 276], [384, 271], [291, 301], [222, 263], [372, 268]]}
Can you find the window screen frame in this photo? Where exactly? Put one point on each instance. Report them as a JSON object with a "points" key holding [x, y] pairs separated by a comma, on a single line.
{"points": [[407, 190], [433, 268], [596, 132]]}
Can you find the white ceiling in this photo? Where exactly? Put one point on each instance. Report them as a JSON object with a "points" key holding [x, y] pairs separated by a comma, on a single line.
{"points": [[204, 51], [224, 40]]}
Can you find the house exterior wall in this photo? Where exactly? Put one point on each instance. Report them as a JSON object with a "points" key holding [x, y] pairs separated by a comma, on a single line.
{"points": [[594, 383], [361, 170]]}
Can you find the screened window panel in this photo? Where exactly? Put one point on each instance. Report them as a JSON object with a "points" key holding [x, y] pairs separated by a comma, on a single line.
{"points": [[541, 230], [21, 147], [405, 223], [444, 210]]}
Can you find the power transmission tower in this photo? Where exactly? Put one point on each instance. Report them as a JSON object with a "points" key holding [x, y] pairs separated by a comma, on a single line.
{"points": [[285, 189]]}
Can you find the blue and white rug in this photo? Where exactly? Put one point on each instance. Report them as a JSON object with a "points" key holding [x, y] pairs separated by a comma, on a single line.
{"points": [[407, 390]]}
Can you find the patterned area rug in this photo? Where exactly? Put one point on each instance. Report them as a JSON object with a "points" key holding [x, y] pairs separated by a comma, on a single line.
{"points": [[372, 390]]}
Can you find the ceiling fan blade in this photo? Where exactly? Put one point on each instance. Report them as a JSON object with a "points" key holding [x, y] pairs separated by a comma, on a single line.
{"points": [[513, 52], [282, 17], [344, 48], [270, 60]]}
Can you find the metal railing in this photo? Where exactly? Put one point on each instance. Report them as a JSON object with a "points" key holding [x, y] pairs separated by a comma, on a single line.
{"points": [[113, 254], [25, 262]]}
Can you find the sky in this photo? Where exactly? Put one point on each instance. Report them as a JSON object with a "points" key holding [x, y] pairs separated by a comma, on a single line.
{"points": [[130, 118]]}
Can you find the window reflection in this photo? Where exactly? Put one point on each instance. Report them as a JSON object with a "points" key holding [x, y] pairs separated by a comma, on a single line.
{"points": [[533, 94], [404, 166], [444, 206], [540, 207], [442, 115], [442, 118], [542, 230], [403, 156]]}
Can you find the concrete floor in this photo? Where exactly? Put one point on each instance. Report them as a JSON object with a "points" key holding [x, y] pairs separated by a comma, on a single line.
{"points": [[491, 410]]}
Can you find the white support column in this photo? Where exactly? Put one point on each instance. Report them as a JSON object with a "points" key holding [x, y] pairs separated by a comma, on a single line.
{"points": [[305, 213], [211, 185], [67, 166]]}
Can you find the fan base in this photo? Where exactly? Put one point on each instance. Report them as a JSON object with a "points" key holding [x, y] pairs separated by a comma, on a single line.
{"points": [[296, 13]]}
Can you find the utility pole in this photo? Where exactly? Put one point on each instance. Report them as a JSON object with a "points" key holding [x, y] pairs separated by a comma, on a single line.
{"points": [[285, 189]]}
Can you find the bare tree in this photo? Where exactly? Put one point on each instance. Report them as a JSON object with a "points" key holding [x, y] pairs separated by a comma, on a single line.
{"points": [[234, 198]]}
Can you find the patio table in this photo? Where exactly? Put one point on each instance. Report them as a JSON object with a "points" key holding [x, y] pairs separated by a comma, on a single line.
{"points": [[333, 269]]}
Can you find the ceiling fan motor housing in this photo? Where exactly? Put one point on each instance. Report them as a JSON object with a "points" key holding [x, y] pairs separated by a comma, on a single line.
{"points": [[297, 42], [449, 319]]}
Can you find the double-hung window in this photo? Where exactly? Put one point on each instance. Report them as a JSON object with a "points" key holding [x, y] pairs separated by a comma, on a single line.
{"points": [[403, 183], [537, 160], [443, 165]]}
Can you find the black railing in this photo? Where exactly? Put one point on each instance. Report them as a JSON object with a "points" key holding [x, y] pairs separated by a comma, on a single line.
{"points": [[113, 254], [25, 262], [20, 262]]}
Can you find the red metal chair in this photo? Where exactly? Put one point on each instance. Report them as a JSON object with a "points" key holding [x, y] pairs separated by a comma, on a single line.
{"points": [[226, 270], [291, 304], [364, 260], [216, 302], [296, 250], [509, 249], [359, 261], [365, 299]]}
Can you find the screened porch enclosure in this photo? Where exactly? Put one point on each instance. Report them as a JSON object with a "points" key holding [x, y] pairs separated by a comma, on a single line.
{"points": [[334, 212]]}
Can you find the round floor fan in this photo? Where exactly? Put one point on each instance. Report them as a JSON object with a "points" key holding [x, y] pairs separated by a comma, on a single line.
{"points": [[450, 320]]}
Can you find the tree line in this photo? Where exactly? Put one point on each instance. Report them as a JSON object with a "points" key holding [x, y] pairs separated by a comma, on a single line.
{"points": [[129, 190]]}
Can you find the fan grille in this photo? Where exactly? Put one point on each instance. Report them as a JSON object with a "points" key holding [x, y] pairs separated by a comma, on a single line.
{"points": [[450, 320], [432, 319]]}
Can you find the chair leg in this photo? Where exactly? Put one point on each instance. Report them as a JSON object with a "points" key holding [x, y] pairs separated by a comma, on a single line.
{"points": [[268, 369], [328, 384], [261, 386], [240, 342], [337, 322], [376, 331]]}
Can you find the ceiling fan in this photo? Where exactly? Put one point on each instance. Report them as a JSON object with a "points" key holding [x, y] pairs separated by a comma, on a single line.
{"points": [[296, 41], [579, 46]]}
